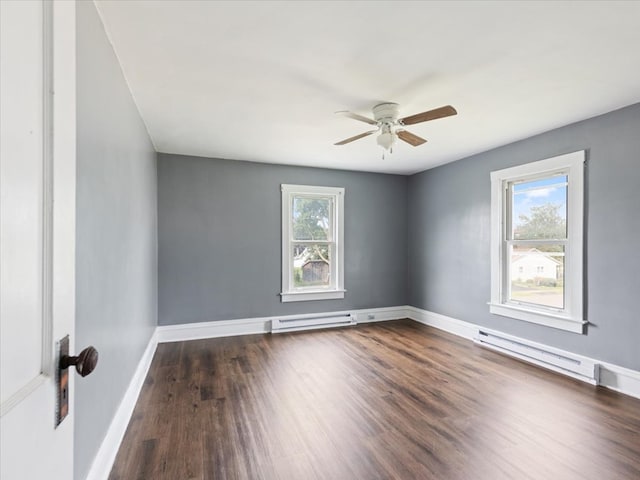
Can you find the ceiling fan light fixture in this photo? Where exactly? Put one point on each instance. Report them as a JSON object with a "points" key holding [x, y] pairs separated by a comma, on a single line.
{"points": [[387, 139]]}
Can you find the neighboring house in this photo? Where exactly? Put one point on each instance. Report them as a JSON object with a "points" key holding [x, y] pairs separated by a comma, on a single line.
{"points": [[315, 271], [531, 264]]}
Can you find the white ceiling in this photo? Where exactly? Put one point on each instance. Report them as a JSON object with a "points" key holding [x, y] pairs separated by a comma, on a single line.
{"points": [[261, 80]]}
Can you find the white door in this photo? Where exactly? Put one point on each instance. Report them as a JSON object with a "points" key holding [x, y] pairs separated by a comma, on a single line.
{"points": [[37, 234]]}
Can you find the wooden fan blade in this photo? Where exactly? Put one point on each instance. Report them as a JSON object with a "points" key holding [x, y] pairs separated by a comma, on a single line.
{"points": [[441, 112], [410, 138], [355, 116], [357, 137]]}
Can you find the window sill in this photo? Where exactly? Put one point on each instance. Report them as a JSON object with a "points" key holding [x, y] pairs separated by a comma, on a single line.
{"points": [[541, 318], [312, 295]]}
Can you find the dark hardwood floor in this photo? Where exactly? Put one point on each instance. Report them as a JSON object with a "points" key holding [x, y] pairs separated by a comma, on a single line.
{"points": [[393, 400]]}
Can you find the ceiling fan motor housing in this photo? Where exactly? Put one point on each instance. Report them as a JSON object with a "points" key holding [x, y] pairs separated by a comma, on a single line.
{"points": [[386, 112]]}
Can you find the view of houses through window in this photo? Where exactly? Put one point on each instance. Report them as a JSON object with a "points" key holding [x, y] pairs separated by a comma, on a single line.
{"points": [[536, 239]]}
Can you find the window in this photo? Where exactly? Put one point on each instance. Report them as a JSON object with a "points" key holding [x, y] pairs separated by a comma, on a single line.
{"points": [[536, 242], [312, 243]]}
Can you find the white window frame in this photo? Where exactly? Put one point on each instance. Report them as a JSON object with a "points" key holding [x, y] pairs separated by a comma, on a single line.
{"points": [[571, 317], [335, 289]]}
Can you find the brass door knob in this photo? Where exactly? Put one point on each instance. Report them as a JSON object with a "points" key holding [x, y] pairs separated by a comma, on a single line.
{"points": [[85, 362]]}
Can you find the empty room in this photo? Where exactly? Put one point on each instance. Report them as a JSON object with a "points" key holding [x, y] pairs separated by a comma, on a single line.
{"points": [[303, 240]]}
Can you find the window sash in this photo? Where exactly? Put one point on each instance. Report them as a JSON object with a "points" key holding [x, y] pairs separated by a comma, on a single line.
{"points": [[508, 243]]}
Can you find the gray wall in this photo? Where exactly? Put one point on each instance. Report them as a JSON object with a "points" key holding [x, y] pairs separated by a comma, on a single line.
{"points": [[116, 257], [219, 234], [449, 235]]}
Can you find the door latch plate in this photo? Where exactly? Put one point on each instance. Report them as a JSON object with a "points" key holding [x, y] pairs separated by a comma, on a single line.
{"points": [[62, 381]]}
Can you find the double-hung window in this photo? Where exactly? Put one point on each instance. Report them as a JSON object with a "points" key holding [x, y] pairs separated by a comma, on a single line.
{"points": [[537, 242], [312, 243]]}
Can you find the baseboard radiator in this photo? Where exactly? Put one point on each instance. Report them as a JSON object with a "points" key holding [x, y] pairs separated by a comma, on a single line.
{"points": [[564, 363], [307, 322]]}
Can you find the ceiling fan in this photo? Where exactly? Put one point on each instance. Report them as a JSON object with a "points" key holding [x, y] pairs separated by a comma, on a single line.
{"points": [[385, 118]]}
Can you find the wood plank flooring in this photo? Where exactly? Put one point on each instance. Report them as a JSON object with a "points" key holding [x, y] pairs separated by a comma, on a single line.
{"points": [[393, 400]]}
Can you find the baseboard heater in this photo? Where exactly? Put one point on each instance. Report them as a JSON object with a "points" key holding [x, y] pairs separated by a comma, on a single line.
{"points": [[564, 363], [306, 322]]}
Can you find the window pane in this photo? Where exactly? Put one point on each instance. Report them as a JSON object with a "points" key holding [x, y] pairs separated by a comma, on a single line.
{"points": [[311, 218], [311, 265], [539, 209], [537, 275]]}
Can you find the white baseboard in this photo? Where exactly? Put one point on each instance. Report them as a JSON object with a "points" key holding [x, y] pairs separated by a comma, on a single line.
{"points": [[103, 461], [381, 314], [251, 326], [617, 378], [620, 379], [223, 328], [442, 322]]}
